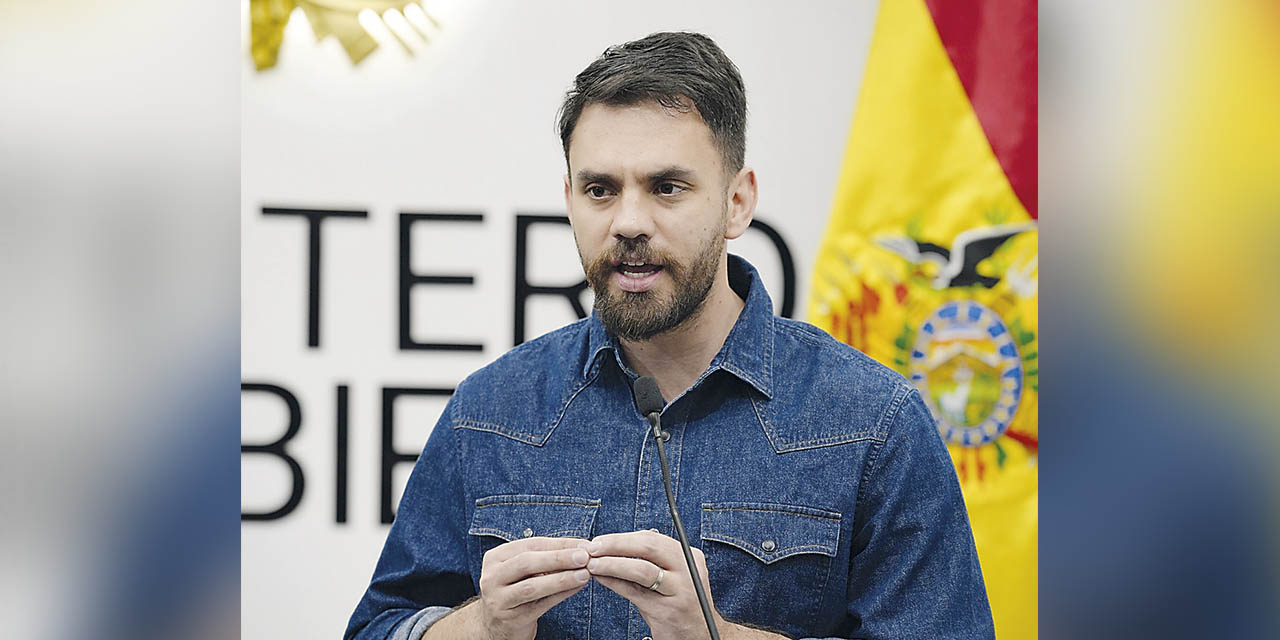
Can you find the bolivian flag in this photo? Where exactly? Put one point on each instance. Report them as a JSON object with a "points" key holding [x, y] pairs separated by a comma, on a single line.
{"points": [[929, 263]]}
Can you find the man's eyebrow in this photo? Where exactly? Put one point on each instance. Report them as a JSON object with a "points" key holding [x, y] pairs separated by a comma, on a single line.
{"points": [[586, 176], [672, 173]]}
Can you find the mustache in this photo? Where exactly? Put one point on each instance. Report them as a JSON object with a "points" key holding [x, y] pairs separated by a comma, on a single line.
{"points": [[632, 249]]}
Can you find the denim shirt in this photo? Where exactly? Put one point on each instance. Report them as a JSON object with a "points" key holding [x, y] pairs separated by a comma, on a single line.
{"points": [[812, 477]]}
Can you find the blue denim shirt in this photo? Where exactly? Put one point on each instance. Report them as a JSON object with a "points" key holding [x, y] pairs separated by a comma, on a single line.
{"points": [[812, 478]]}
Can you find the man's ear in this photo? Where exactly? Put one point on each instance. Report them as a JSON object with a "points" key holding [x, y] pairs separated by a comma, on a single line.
{"points": [[743, 193]]}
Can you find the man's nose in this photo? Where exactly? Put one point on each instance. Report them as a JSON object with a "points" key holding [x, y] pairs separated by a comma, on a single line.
{"points": [[632, 218]]}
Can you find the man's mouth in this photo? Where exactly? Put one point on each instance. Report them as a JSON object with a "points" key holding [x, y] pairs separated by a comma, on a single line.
{"points": [[636, 270], [635, 276]]}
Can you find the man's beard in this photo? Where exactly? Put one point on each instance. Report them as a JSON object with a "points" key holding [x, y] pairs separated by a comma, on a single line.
{"points": [[639, 316]]}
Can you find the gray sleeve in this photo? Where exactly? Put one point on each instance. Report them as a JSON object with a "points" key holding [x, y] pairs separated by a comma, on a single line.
{"points": [[414, 626]]}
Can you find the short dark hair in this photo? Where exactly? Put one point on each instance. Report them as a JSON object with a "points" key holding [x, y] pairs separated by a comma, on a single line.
{"points": [[678, 70]]}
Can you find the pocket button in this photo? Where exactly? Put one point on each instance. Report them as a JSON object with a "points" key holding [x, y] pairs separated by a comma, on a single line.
{"points": [[768, 545], [527, 532]]}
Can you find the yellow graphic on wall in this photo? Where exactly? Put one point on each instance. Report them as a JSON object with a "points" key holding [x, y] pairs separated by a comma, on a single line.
{"points": [[337, 18]]}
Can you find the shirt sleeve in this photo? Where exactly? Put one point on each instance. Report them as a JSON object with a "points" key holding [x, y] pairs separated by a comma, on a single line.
{"points": [[423, 570], [414, 626], [914, 572]]}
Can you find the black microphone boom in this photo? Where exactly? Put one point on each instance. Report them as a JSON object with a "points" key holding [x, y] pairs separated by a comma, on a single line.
{"points": [[650, 402]]}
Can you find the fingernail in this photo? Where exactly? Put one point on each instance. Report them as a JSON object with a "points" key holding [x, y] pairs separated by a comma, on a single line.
{"points": [[582, 575], [594, 547], [593, 564], [579, 557]]}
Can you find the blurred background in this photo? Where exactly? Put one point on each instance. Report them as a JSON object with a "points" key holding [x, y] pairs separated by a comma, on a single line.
{"points": [[173, 181]]}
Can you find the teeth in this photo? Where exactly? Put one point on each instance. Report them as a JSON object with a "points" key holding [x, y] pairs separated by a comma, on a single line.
{"points": [[627, 269]]}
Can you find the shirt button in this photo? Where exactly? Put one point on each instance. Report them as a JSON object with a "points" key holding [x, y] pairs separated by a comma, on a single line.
{"points": [[527, 532], [768, 545]]}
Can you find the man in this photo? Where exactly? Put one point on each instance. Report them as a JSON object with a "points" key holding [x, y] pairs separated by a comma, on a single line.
{"points": [[816, 491]]}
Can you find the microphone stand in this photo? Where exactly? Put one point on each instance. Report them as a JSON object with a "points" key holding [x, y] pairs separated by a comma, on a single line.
{"points": [[660, 436]]}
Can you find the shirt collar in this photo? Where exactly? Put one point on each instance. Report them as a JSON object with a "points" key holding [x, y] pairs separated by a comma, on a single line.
{"points": [[747, 352]]}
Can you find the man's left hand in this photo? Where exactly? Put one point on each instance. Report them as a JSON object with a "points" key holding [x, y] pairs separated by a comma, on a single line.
{"points": [[648, 569]]}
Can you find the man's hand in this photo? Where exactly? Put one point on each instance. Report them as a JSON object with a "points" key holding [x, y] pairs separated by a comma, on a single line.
{"points": [[629, 564], [519, 581]]}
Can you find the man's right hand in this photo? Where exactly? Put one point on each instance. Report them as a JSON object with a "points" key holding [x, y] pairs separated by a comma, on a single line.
{"points": [[519, 581]]}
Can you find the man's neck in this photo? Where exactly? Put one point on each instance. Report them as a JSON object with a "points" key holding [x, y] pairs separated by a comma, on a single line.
{"points": [[676, 358]]}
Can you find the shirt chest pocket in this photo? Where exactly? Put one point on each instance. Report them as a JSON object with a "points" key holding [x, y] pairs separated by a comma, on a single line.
{"points": [[514, 516], [770, 559], [506, 518]]}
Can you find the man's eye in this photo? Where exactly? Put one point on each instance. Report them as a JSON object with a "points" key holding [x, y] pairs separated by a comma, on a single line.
{"points": [[597, 191], [669, 188]]}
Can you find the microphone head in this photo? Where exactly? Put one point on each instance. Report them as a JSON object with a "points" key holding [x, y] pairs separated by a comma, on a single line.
{"points": [[648, 397]]}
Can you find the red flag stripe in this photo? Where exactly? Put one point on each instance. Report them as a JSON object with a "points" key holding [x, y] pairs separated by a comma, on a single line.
{"points": [[993, 46]]}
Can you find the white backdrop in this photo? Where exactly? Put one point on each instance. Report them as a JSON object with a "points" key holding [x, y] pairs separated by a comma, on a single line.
{"points": [[466, 126]]}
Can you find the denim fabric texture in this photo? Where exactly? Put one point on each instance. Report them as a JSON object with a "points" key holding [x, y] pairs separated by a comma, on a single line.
{"points": [[812, 477]]}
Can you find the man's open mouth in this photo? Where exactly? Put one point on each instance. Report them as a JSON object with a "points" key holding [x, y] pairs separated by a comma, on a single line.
{"points": [[636, 270]]}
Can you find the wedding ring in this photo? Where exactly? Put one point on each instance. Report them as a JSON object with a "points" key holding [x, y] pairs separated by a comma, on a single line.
{"points": [[658, 583]]}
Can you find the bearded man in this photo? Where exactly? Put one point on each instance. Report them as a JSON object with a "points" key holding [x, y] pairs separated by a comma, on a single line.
{"points": [[820, 498]]}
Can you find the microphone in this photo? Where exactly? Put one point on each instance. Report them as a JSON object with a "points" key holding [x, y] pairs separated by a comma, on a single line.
{"points": [[648, 397], [650, 402]]}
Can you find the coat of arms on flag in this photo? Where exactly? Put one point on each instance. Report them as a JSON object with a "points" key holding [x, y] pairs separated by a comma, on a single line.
{"points": [[930, 261]]}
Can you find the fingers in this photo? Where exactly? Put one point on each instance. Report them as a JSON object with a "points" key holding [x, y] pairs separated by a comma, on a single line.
{"points": [[533, 589], [536, 588], [533, 569], [511, 549], [628, 563], [640, 572], [538, 607], [652, 546], [626, 588], [531, 563]]}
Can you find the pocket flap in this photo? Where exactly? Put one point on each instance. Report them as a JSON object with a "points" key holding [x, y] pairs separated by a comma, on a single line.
{"points": [[516, 516], [771, 532]]}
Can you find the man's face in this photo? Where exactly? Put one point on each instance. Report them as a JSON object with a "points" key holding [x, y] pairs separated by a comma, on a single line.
{"points": [[647, 197]]}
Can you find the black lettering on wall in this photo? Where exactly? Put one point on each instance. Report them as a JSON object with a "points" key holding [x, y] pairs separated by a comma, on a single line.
{"points": [[391, 457], [409, 279], [788, 267], [314, 218], [277, 449], [525, 290], [343, 450]]}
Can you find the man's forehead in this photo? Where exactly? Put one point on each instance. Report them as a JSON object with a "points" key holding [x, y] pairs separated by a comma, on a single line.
{"points": [[640, 139]]}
